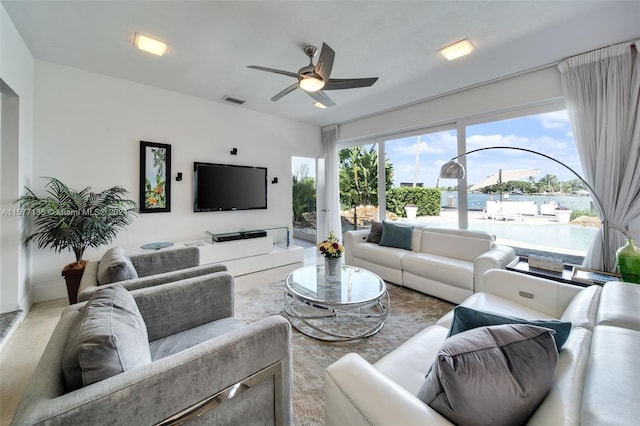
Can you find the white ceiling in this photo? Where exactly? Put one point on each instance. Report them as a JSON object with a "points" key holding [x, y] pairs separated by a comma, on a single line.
{"points": [[212, 42]]}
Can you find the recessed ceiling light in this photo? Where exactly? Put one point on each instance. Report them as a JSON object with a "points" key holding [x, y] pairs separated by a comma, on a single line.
{"points": [[320, 105], [456, 50], [149, 44]]}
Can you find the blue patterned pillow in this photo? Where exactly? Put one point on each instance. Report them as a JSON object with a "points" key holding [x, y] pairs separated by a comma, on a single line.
{"points": [[396, 235]]}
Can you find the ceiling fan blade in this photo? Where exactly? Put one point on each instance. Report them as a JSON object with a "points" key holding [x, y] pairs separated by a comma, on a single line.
{"points": [[321, 97], [325, 62], [287, 73], [286, 91], [349, 83]]}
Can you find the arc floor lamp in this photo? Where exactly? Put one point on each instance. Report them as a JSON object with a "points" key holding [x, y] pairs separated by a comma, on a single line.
{"points": [[454, 170]]}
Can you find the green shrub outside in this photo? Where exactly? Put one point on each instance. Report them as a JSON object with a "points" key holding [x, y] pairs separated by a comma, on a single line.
{"points": [[304, 196], [577, 213], [426, 199]]}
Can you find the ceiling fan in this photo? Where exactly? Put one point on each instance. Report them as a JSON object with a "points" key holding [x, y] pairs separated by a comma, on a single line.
{"points": [[313, 79]]}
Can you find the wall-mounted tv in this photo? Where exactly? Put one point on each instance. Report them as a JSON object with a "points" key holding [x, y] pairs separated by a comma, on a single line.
{"points": [[219, 187]]}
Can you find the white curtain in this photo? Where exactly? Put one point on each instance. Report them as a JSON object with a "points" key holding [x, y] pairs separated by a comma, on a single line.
{"points": [[332, 182], [602, 90]]}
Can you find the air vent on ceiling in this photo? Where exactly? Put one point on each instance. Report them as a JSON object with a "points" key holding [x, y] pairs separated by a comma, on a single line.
{"points": [[234, 100]]}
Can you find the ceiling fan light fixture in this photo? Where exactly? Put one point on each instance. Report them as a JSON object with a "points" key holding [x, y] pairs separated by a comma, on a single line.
{"points": [[457, 50], [310, 83], [149, 45]]}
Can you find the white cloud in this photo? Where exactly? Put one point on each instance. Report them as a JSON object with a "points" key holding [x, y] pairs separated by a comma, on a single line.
{"points": [[554, 120], [483, 141]]}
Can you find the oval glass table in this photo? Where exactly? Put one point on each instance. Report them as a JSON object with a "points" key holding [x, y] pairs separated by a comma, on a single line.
{"points": [[353, 308]]}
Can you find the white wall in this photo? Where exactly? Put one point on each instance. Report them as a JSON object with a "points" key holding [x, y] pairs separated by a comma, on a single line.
{"points": [[526, 89], [16, 84], [87, 132]]}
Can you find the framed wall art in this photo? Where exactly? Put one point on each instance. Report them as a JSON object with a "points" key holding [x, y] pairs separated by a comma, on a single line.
{"points": [[155, 177]]}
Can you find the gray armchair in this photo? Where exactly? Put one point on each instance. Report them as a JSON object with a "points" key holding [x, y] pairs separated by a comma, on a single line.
{"points": [[217, 371], [152, 268]]}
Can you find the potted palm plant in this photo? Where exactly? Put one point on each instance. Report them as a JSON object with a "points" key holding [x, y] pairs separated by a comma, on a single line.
{"points": [[67, 219]]}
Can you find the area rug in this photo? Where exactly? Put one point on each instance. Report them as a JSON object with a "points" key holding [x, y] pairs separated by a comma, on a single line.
{"points": [[410, 312]]}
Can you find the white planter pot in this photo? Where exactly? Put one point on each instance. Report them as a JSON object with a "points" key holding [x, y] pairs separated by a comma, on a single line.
{"points": [[563, 216], [412, 212]]}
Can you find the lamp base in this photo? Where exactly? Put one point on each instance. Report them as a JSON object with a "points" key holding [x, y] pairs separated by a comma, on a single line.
{"points": [[628, 257]]}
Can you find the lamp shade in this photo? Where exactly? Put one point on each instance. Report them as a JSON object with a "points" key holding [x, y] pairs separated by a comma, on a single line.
{"points": [[310, 83], [452, 170]]}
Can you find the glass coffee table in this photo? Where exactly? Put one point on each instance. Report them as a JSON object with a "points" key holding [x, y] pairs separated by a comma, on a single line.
{"points": [[353, 308]]}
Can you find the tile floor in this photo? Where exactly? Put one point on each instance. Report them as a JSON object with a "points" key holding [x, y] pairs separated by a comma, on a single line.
{"points": [[22, 351]]}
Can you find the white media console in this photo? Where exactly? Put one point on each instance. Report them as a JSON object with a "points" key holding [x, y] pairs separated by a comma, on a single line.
{"points": [[252, 250], [245, 251]]}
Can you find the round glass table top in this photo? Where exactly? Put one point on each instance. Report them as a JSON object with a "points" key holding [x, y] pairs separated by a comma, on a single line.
{"points": [[357, 285]]}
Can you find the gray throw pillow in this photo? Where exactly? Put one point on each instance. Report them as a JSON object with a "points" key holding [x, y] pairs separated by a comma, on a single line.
{"points": [[115, 266], [108, 338], [375, 233], [466, 319], [495, 375], [396, 235]]}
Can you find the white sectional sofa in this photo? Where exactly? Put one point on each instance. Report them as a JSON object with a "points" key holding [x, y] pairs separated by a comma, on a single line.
{"points": [[446, 263], [595, 381]]}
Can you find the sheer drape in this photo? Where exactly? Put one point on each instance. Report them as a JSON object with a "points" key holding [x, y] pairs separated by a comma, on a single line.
{"points": [[602, 90], [332, 189]]}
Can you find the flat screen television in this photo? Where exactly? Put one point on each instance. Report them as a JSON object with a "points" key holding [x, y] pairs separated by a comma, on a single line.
{"points": [[219, 187]]}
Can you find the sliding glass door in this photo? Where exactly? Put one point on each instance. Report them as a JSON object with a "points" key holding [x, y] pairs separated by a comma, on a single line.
{"points": [[526, 200]]}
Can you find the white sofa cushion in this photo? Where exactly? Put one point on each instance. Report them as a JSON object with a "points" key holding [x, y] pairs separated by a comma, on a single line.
{"points": [[611, 383], [457, 246], [619, 305], [582, 311], [357, 394], [386, 256], [536, 293], [409, 363], [562, 404], [453, 271]]}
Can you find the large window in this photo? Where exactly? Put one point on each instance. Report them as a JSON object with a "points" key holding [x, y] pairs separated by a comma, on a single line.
{"points": [[360, 185], [417, 159], [535, 204], [416, 164]]}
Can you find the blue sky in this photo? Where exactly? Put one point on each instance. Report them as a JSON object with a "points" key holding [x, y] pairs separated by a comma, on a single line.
{"points": [[548, 133]]}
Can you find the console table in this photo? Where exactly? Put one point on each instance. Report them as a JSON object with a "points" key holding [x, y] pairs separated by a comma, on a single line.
{"points": [[521, 264], [281, 235], [249, 250]]}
